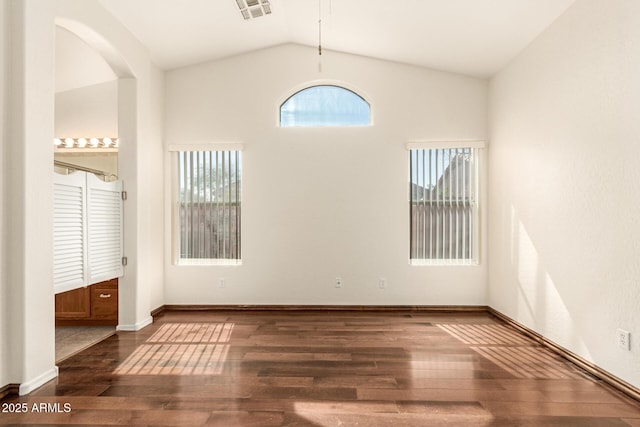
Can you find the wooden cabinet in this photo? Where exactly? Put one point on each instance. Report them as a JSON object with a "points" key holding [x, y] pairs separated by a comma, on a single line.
{"points": [[104, 301], [94, 305], [74, 304]]}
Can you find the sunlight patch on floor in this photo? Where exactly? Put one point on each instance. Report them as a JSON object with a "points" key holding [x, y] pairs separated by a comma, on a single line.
{"points": [[484, 334], [515, 354], [528, 362], [181, 349], [330, 414]]}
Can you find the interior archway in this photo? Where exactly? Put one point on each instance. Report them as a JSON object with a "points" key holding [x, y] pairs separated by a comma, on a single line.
{"points": [[124, 121]]}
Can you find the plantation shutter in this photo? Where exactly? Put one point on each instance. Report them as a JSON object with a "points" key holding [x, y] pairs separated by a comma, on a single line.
{"points": [[105, 243], [87, 231], [69, 229]]}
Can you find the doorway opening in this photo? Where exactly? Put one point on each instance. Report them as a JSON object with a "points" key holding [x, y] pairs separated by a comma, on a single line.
{"points": [[86, 142]]}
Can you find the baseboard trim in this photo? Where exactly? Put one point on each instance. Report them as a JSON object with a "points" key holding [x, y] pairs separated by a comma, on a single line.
{"points": [[330, 308], [158, 311], [45, 377], [135, 327], [10, 390], [589, 367]]}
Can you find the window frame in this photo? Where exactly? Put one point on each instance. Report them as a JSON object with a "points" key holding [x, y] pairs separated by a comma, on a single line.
{"points": [[478, 146], [174, 151], [340, 85]]}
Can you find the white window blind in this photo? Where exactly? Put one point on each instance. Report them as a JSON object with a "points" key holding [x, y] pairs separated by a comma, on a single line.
{"points": [[443, 205], [209, 205]]}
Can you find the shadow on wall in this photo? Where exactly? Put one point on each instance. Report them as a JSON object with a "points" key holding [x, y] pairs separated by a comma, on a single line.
{"points": [[538, 302]]}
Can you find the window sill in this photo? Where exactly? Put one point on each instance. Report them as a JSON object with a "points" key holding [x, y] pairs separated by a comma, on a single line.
{"points": [[208, 262], [443, 262]]}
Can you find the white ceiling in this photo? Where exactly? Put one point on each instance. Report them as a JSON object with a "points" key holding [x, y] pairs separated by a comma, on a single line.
{"points": [[472, 37]]}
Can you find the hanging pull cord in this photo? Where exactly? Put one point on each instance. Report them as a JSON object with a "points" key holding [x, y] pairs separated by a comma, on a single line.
{"points": [[320, 37], [320, 27]]}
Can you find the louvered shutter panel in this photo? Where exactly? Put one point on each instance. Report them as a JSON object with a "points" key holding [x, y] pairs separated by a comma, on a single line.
{"points": [[69, 226], [104, 234]]}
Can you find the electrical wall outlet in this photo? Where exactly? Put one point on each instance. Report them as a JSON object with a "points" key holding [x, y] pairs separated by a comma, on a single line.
{"points": [[382, 283], [222, 282], [338, 282], [624, 339]]}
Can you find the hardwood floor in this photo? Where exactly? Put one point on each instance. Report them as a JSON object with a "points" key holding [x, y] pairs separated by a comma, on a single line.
{"points": [[322, 369]]}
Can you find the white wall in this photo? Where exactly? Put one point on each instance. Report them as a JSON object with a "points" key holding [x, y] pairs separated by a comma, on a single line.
{"points": [[4, 135], [29, 163], [154, 213], [564, 194], [90, 111], [325, 202], [78, 64]]}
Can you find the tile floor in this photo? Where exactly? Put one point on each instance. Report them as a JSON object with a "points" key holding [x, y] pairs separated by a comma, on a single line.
{"points": [[73, 339]]}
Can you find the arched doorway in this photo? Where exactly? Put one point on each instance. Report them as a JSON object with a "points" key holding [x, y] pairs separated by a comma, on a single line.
{"points": [[86, 270], [115, 87]]}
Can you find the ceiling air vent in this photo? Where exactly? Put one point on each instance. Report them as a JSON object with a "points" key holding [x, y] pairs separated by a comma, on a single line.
{"points": [[254, 8]]}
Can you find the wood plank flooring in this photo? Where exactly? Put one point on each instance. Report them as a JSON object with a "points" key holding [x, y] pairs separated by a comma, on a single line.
{"points": [[322, 369]]}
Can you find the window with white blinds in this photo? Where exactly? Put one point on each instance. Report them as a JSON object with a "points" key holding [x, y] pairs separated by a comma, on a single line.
{"points": [[209, 205], [443, 205]]}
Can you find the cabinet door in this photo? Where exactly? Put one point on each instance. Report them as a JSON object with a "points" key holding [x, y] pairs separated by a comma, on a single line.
{"points": [[104, 300], [74, 304]]}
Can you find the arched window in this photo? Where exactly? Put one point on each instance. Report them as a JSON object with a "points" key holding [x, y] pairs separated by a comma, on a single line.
{"points": [[325, 105]]}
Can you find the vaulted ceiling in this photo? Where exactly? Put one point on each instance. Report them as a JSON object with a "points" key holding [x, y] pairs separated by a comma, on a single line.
{"points": [[472, 37]]}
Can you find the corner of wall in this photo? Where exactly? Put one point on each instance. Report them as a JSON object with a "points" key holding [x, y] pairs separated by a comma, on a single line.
{"points": [[4, 111], [158, 177]]}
